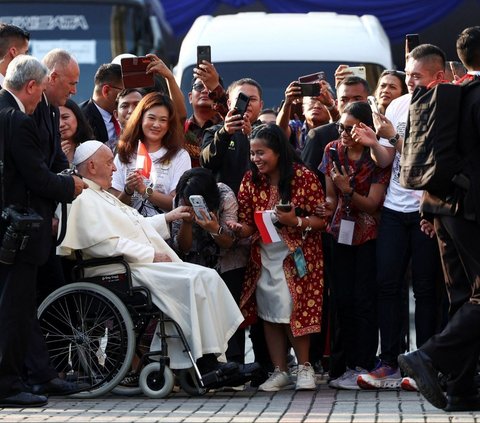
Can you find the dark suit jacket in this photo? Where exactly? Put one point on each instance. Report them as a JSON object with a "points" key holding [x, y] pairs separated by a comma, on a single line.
{"points": [[27, 178], [95, 120], [47, 118], [317, 140]]}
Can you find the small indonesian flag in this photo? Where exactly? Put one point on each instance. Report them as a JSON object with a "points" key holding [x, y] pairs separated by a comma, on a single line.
{"points": [[144, 162], [268, 231]]}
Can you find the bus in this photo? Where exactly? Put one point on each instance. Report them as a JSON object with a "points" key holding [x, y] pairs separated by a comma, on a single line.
{"points": [[93, 31]]}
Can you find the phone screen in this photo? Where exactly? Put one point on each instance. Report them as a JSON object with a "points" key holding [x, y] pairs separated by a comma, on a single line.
{"points": [[310, 90]]}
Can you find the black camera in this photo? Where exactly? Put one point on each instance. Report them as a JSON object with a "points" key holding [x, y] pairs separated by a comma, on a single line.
{"points": [[17, 224]]}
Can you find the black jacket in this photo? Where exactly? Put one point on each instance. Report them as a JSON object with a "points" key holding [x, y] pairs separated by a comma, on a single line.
{"points": [[95, 119], [228, 156], [27, 178]]}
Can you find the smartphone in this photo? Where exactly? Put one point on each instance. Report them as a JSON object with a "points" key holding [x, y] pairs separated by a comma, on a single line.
{"points": [[359, 71], [134, 72], [310, 89], [199, 205], [313, 77], [336, 159], [204, 53], [411, 41], [372, 101], [284, 207], [457, 68], [242, 103]]}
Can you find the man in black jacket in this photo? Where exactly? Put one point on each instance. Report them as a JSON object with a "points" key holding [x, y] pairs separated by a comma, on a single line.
{"points": [[455, 351], [27, 183], [225, 147]]}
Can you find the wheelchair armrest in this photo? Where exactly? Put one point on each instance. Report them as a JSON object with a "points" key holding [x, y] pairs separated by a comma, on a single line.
{"points": [[81, 264]]}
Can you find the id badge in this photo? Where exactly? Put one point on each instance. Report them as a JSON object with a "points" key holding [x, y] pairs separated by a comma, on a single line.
{"points": [[345, 235], [300, 262]]}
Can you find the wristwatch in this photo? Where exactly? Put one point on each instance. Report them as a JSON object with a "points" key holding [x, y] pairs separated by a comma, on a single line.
{"points": [[394, 139], [148, 192]]}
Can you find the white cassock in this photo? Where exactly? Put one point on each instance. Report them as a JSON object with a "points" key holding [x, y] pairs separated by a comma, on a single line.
{"points": [[194, 296]]}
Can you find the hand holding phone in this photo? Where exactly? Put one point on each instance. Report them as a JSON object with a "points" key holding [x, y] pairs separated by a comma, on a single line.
{"points": [[336, 159], [198, 203]]}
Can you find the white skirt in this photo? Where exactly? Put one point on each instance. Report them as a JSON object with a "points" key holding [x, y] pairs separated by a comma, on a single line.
{"points": [[274, 302]]}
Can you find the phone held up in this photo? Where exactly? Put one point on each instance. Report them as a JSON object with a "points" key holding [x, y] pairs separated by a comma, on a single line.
{"points": [[134, 72], [199, 205], [241, 104], [411, 41], [313, 77], [204, 53], [336, 159], [359, 71], [310, 89], [372, 101]]}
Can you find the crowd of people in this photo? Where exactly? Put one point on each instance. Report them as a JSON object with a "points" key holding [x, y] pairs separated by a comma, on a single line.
{"points": [[306, 237]]}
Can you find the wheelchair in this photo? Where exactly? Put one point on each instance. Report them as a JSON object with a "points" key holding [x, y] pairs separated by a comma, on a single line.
{"points": [[95, 330]]}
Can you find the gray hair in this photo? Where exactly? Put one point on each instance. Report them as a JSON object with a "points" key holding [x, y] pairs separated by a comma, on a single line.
{"points": [[57, 57], [23, 69]]}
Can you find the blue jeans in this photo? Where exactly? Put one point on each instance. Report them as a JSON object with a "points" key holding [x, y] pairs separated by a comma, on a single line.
{"points": [[399, 240]]}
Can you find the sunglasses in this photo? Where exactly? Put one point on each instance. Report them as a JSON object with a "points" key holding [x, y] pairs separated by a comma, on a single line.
{"points": [[341, 128], [199, 87]]}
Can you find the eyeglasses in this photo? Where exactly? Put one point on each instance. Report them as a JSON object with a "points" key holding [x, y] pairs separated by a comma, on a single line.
{"points": [[199, 87], [341, 128]]}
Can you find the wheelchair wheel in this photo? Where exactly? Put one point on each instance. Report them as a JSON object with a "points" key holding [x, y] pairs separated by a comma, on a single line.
{"points": [[89, 336], [189, 383], [156, 384]]}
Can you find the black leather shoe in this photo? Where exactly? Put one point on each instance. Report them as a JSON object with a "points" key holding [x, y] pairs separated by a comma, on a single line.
{"points": [[468, 403], [217, 377], [418, 366], [59, 386], [23, 400], [249, 369]]}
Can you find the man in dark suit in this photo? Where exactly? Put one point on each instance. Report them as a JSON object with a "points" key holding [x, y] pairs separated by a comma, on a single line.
{"points": [[13, 41], [27, 182], [455, 351], [99, 109], [62, 79]]}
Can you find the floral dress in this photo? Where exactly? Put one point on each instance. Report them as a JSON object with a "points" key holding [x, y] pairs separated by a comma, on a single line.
{"points": [[306, 292]]}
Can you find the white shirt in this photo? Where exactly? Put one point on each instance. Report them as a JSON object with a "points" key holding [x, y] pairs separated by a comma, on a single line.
{"points": [[399, 198], [164, 176], [107, 119]]}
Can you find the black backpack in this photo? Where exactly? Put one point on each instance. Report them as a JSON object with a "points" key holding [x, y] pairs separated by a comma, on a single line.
{"points": [[430, 159]]}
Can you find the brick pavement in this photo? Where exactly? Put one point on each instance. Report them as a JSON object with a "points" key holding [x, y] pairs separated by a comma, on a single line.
{"points": [[323, 405]]}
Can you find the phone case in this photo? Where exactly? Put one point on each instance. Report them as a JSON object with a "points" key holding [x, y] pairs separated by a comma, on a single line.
{"points": [[242, 103], [359, 71], [198, 204], [372, 101], [133, 72], [313, 77], [203, 53]]}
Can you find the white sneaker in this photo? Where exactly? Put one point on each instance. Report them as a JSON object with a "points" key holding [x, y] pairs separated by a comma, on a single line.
{"points": [[334, 382], [277, 381], [305, 377], [350, 381]]}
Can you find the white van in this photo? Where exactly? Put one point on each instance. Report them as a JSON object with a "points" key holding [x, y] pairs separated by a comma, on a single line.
{"points": [[277, 48]]}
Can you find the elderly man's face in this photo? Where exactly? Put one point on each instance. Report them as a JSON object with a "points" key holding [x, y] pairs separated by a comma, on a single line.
{"points": [[103, 167]]}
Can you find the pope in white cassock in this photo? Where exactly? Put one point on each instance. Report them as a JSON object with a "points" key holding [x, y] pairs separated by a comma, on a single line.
{"points": [[102, 226]]}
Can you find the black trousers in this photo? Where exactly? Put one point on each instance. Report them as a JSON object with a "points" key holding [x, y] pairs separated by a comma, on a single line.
{"points": [[455, 351], [17, 312]]}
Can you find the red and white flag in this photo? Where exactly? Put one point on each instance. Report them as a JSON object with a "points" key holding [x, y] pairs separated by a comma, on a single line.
{"points": [[268, 231], [144, 162]]}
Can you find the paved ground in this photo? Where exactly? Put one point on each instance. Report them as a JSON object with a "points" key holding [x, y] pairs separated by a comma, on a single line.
{"points": [[323, 405]]}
